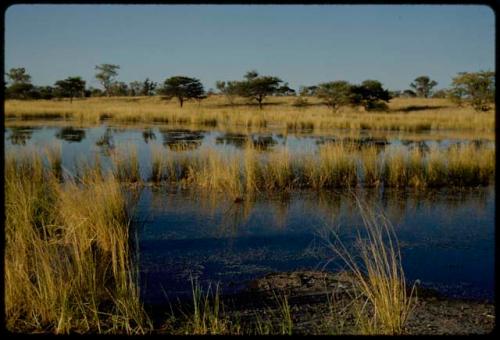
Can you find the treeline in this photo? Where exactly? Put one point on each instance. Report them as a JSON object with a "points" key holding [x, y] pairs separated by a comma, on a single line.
{"points": [[475, 88]]}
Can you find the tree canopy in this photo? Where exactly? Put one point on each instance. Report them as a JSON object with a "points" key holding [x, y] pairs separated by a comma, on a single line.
{"points": [[183, 88], [106, 76], [257, 87], [70, 87], [423, 86], [476, 87]]}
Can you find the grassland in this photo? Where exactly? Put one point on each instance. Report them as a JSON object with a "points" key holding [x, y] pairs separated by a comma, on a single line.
{"points": [[408, 115]]}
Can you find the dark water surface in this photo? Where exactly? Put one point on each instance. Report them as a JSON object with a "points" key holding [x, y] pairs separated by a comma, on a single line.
{"points": [[446, 236]]}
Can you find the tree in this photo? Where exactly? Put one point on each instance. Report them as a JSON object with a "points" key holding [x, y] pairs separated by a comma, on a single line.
{"points": [[307, 91], [423, 86], [20, 84], [228, 89], [476, 87], [257, 87], [45, 92], [408, 94], [135, 88], [18, 76], [20, 91], [106, 75], [119, 89], [148, 87], [183, 88], [370, 94], [285, 90], [335, 94], [70, 87]]}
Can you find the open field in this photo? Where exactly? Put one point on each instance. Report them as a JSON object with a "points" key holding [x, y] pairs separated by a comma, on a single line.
{"points": [[409, 115]]}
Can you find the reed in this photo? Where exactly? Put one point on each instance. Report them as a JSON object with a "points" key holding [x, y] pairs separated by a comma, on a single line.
{"points": [[157, 163], [335, 165], [372, 167], [206, 317], [126, 164], [67, 256], [378, 276]]}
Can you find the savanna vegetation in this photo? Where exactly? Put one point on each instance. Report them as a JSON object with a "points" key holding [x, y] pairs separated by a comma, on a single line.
{"points": [[70, 264]]}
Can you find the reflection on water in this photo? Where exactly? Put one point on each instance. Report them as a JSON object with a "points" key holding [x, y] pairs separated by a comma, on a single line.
{"points": [[19, 135], [240, 141], [148, 135], [180, 140], [446, 236], [71, 134]]}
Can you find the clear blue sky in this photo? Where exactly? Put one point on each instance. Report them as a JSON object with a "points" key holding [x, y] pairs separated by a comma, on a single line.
{"points": [[303, 45]]}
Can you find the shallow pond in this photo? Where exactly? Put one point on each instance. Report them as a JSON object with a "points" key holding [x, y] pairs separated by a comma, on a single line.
{"points": [[446, 236]]}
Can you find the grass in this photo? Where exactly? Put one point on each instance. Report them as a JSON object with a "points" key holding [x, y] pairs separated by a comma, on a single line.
{"points": [[386, 303], [68, 263], [126, 164], [409, 115], [335, 165]]}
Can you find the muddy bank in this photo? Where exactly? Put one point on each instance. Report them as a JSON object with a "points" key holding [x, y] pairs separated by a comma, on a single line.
{"points": [[320, 304]]}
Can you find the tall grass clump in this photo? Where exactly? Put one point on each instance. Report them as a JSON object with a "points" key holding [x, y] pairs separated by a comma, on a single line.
{"points": [[378, 276], [126, 165], [207, 314], [372, 166], [68, 264], [277, 171], [157, 163], [469, 165], [334, 167], [395, 168]]}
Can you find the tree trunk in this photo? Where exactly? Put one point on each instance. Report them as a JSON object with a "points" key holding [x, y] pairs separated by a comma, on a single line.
{"points": [[181, 101], [260, 102]]}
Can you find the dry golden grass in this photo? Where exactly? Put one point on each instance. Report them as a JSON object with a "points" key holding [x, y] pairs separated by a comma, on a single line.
{"points": [[410, 115], [335, 165], [68, 265], [375, 263]]}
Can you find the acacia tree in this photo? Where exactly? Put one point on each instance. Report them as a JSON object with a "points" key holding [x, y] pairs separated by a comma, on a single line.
{"points": [[70, 87], [183, 88], [370, 94], [476, 87], [335, 94], [257, 87], [106, 76], [423, 86]]}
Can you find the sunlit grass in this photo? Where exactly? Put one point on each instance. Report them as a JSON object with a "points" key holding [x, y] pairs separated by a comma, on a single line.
{"points": [[385, 303], [68, 265], [410, 115]]}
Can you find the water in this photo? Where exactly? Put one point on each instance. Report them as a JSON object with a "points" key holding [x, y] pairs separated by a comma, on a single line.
{"points": [[446, 236]]}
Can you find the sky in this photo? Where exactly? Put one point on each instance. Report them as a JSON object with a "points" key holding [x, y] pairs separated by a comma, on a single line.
{"points": [[301, 44]]}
